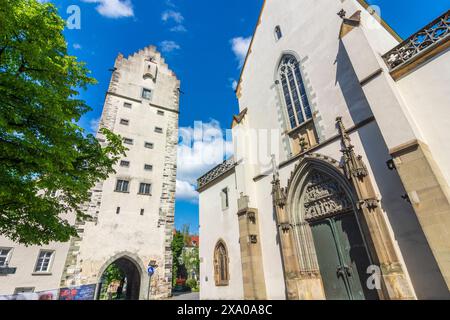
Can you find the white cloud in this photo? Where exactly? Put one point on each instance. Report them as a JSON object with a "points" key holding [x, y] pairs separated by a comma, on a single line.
{"points": [[169, 46], [170, 3], [240, 45], [76, 46], [201, 148], [93, 124], [172, 15], [113, 8], [178, 28], [233, 83], [186, 191]]}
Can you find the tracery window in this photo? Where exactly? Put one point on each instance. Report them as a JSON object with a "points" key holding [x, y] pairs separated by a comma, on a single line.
{"points": [[221, 273], [295, 96]]}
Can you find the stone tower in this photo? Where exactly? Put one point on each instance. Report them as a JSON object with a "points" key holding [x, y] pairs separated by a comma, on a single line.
{"points": [[133, 210]]}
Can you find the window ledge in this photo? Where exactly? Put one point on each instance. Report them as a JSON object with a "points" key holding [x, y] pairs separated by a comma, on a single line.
{"points": [[299, 127], [121, 191], [144, 194], [222, 284], [41, 274]]}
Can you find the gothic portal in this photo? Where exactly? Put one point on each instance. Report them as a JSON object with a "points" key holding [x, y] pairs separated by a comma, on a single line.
{"points": [[341, 253]]}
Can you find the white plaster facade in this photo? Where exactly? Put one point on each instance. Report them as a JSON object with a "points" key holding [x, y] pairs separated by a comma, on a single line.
{"points": [[225, 225], [380, 112], [427, 102], [24, 259]]}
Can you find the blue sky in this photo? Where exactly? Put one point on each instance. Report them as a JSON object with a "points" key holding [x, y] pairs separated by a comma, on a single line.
{"points": [[204, 42]]}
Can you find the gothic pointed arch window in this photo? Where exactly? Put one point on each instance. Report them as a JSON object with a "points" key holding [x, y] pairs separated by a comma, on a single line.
{"points": [[221, 261], [294, 92], [296, 105]]}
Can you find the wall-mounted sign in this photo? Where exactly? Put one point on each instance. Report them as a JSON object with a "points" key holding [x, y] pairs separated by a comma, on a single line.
{"points": [[86, 292], [43, 295]]}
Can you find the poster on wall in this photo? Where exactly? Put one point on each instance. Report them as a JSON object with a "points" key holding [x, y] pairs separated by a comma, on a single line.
{"points": [[43, 295], [86, 292]]}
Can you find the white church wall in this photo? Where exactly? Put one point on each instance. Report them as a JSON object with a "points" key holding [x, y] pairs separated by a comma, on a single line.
{"points": [[270, 243], [217, 224], [312, 35], [332, 86], [405, 229], [426, 92]]}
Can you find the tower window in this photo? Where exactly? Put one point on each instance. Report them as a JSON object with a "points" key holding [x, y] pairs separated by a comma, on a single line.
{"points": [[149, 145], [122, 185], [278, 33], [127, 105], [142, 212], [145, 188], [127, 141], [146, 94], [117, 210], [148, 167], [125, 163], [125, 122], [158, 130], [160, 113]]}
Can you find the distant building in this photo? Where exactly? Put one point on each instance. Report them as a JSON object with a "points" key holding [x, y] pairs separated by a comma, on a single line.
{"points": [[194, 241], [190, 251], [355, 202], [133, 210]]}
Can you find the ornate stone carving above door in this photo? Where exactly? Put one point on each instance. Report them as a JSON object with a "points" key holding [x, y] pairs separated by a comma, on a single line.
{"points": [[324, 197]]}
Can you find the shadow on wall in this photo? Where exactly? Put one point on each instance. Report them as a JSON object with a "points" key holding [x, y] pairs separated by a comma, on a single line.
{"points": [[422, 267]]}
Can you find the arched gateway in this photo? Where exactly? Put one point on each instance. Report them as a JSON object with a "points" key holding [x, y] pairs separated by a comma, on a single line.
{"points": [[122, 278]]}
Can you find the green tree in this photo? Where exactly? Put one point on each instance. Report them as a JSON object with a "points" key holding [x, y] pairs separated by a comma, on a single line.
{"points": [[112, 273], [42, 149], [177, 249], [190, 258]]}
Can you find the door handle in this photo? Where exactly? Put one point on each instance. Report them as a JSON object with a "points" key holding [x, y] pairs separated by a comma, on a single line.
{"points": [[340, 271], [348, 270], [344, 270]]}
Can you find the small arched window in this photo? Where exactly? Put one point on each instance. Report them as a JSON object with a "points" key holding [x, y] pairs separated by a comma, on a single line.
{"points": [[221, 273], [278, 33], [294, 92]]}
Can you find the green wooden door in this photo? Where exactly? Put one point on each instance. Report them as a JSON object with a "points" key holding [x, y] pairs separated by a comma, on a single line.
{"points": [[342, 258]]}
